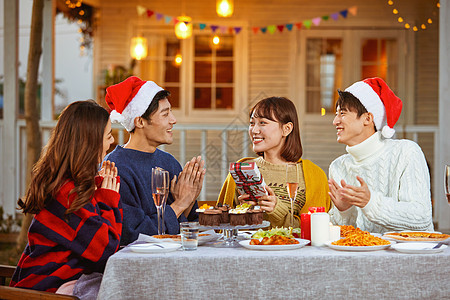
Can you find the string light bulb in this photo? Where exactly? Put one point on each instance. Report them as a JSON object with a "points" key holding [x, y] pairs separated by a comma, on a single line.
{"points": [[423, 26], [395, 11], [178, 59], [400, 19], [216, 40], [138, 48], [407, 26], [225, 8], [429, 21], [183, 29], [390, 2], [415, 28]]}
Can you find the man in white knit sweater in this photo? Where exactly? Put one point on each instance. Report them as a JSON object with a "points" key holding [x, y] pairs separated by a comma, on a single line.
{"points": [[381, 184]]}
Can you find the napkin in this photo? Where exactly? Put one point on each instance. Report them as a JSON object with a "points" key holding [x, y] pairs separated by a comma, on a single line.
{"points": [[212, 235]]}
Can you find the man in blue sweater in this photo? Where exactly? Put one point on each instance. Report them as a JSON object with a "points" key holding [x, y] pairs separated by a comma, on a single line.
{"points": [[143, 108]]}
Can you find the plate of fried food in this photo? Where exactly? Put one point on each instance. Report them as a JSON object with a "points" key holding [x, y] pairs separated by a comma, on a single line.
{"points": [[418, 236], [275, 242], [355, 239]]}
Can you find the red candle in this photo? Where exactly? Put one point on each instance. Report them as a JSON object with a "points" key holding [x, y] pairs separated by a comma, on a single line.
{"points": [[305, 226], [314, 209]]}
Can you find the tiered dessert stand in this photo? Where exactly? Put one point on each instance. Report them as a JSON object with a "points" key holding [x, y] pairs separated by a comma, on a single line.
{"points": [[230, 233]]}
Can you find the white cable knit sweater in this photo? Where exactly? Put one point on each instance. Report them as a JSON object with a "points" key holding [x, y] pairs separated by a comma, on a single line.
{"points": [[399, 182]]}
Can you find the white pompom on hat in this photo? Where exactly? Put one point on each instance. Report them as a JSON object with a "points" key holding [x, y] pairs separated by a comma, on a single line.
{"points": [[380, 100], [130, 99]]}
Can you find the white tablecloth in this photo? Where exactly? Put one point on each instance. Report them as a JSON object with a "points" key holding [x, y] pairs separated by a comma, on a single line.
{"points": [[306, 273]]}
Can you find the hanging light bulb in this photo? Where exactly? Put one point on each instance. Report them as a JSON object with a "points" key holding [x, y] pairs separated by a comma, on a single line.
{"points": [[183, 29], [224, 8], [216, 40], [138, 48], [178, 60]]}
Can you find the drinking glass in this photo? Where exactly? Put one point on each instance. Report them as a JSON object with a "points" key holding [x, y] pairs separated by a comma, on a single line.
{"points": [[447, 182], [166, 195], [291, 186], [158, 191]]}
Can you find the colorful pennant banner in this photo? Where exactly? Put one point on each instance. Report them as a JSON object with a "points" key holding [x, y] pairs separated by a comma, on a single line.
{"points": [[141, 10]]}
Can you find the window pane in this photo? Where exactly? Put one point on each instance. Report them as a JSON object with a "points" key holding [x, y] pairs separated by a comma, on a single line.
{"points": [[313, 101], [173, 47], [224, 72], [225, 47], [172, 72], [370, 50], [202, 97], [324, 73], [370, 71], [202, 71], [203, 45], [224, 98], [174, 97]]}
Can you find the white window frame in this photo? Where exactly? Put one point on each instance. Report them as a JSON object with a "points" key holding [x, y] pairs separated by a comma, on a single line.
{"points": [[186, 113], [351, 62]]}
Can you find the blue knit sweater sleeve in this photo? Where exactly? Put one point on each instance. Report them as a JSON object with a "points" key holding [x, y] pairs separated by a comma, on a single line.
{"points": [[139, 210]]}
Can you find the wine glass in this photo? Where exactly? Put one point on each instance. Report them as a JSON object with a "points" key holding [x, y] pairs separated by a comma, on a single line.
{"points": [[447, 182], [166, 195], [291, 186], [158, 191]]}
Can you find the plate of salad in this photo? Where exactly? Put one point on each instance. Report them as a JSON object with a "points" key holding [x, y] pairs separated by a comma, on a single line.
{"points": [[282, 231]]}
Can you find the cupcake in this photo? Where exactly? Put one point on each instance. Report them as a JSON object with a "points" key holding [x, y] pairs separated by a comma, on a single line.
{"points": [[238, 215], [209, 217], [224, 208], [255, 216]]}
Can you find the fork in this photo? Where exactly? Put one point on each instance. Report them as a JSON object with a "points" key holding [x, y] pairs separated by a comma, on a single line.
{"points": [[438, 245]]}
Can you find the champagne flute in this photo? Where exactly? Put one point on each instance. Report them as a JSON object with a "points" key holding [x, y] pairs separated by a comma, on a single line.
{"points": [[158, 192], [291, 186], [447, 182], [166, 195]]}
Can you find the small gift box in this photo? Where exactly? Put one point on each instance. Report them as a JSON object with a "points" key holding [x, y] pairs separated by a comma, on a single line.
{"points": [[248, 179]]}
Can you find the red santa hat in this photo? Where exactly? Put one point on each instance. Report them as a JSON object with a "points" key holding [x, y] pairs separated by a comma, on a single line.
{"points": [[380, 100], [130, 99]]}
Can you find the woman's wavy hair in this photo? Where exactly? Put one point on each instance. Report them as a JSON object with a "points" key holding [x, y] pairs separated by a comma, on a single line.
{"points": [[282, 110], [72, 153]]}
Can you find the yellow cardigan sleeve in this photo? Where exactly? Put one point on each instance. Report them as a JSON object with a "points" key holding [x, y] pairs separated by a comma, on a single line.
{"points": [[316, 183], [227, 192]]}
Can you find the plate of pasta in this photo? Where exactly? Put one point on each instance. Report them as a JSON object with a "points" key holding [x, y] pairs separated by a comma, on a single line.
{"points": [[360, 242]]}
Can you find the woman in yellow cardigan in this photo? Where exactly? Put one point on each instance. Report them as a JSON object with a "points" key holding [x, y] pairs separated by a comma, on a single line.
{"points": [[275, 135]]}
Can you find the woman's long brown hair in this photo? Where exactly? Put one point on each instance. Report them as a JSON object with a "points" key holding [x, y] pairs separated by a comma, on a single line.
{"points": [[282, 110], [73, 152]]}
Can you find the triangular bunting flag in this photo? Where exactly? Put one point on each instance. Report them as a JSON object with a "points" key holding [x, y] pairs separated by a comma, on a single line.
{"points": [[344, 13], [263, 29], [325, 18], [214, 28], [335, 16], [316, 21], [280, 27], [299, 25], [237, 29], [150, 13], [140, 10], [289, 26], [271, 29], [202, 26], [159, 16], [167, 19], [353, 10], [175, 21], [255, 30], [223, 29], [307, 24]]}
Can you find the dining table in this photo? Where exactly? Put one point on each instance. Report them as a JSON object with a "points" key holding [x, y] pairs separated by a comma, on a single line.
{"points": [[309, 272]]}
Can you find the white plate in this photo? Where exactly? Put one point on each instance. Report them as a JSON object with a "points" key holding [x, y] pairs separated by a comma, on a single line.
{"points": [[202, 239], [418, 248], [446, 241], [358, 248], [246, 244], [152, 248]]}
